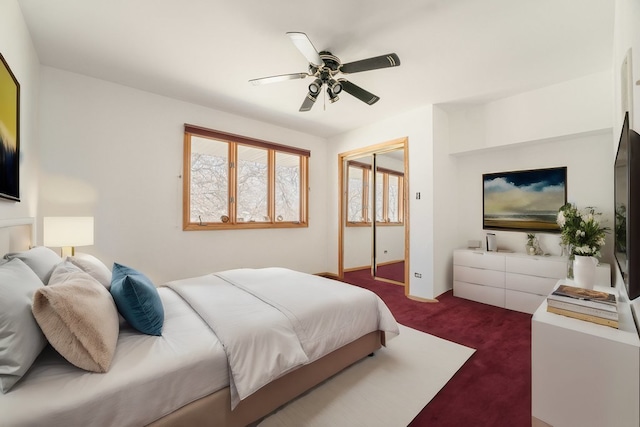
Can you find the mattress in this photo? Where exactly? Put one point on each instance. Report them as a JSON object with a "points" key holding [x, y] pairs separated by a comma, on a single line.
{"points": [[149, 377]]}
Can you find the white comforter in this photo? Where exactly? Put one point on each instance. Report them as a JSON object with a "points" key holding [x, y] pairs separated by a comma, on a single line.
{"points": [[272, 320]]}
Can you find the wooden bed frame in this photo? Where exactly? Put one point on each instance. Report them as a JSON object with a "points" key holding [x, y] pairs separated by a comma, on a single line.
{"points": [[215, 409]]}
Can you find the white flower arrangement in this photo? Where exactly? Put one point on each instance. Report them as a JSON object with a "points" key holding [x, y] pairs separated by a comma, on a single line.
{"points": [[581, 230]]}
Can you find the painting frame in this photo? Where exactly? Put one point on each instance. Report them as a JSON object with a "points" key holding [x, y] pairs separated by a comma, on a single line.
{"points": [[9, 133], [524, 200]]}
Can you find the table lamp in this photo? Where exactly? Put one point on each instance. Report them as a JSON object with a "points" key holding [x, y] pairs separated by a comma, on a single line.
{"points": [[68, 232]]}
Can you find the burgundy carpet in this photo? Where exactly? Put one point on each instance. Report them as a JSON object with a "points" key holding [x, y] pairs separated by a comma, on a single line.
{"points": [[494, 387], [393, 271]]}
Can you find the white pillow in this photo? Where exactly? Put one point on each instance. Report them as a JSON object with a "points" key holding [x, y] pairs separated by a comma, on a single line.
{"points": [[79, 318], [21, 340], [40, 259], [93, 266]]}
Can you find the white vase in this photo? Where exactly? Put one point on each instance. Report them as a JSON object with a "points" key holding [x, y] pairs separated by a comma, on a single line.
{"points": [[584, 271]]}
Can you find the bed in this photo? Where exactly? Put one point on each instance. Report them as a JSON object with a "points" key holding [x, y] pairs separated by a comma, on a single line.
{"points": [[204, 368]]}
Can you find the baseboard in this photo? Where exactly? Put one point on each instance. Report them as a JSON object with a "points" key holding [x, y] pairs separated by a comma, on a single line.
{"points": [[390, 262], [348, 270], [420, 299], [327, 275], [535, 422]]}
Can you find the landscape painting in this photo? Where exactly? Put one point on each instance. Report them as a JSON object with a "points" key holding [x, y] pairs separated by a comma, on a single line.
{"points": [[526, 200], [9, 133]]}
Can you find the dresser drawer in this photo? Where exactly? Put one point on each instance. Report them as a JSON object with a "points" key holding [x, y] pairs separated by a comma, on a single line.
{"points": [[522, 301], [537, 266], [484, 294], [478, 276], [530, 284], [479, 259]]}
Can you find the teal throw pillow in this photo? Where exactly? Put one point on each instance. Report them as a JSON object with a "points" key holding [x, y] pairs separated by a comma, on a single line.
{"points": [[137, 300]]}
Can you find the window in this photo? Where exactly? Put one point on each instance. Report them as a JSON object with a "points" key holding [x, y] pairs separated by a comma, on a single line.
{"points": [[389, 191], [232, 181]]}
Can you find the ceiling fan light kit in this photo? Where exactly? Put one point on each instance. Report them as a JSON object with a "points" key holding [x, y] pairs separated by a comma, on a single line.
{"points": [[315, 87], [325, 66]]}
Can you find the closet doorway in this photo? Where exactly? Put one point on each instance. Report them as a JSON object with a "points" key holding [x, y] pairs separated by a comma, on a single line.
{"points": [[374, 215]]}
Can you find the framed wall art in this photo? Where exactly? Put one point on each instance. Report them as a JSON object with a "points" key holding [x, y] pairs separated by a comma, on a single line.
{"points": [[9, 133], [526, 200]]}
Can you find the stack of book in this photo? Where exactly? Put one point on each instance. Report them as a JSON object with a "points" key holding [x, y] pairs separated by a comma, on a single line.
{"points": [[584, 304]]}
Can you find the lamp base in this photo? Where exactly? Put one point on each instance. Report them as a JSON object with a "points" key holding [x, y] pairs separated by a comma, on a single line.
{"points": [[66, 251]]}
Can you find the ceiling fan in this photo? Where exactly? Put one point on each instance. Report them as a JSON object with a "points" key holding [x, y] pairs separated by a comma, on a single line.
{"points": [[325, 67]]}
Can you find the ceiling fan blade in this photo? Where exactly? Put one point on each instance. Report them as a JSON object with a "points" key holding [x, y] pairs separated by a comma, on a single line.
{"points": [[280, 78], [358, 92], [308, 102], [383, 61], [304, 45]]}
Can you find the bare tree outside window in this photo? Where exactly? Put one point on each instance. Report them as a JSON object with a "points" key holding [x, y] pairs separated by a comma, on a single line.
{"points": [[287, 187], [356, 191], [394, 200], [209, 180], [252, 183], [380, 214]]}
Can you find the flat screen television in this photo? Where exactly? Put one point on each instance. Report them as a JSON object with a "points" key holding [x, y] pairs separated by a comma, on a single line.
{"points": [[627, 208]]}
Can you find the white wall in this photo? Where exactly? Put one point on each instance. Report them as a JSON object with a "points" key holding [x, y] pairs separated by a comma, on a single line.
{"points": [[447, 187], [357, 245], [417, 126], [390, 243], [626, 36], [582, 105], [18, 51], [116, 153]]}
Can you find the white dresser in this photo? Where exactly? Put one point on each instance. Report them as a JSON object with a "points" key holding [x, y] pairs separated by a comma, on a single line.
{"points": [[511, 280]]}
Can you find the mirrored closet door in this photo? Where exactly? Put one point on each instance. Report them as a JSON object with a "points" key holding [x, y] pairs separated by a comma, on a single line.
{"points": [[373, 229]]}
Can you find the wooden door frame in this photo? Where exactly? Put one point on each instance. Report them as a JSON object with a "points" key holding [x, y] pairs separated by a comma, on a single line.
{"points": [[395, 144]]}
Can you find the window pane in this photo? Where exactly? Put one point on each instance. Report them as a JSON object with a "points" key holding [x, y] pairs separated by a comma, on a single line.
{"points": [[394, 189], [355, 193], [287, 187], [209, 180], [253, 181]]}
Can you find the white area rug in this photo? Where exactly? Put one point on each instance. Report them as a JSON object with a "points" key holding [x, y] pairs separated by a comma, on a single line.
{"points": [[386, 390]]}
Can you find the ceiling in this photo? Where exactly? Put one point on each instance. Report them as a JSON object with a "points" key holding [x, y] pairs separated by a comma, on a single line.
{"points": [[205, 51]]}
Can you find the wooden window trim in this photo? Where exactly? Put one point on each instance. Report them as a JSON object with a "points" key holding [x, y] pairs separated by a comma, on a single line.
{"points": [[233, 140], [224, 136]]}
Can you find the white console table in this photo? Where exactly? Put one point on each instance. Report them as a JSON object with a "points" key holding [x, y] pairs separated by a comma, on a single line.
{"points": [[511, 280], [584, 374]]}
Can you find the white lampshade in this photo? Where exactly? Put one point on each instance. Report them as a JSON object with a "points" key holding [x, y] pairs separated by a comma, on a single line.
{"points": [[68, 231]]}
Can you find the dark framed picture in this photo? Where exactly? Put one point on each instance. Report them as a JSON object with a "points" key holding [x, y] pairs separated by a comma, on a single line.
{"points": [[9, 133], [526, 200]]}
